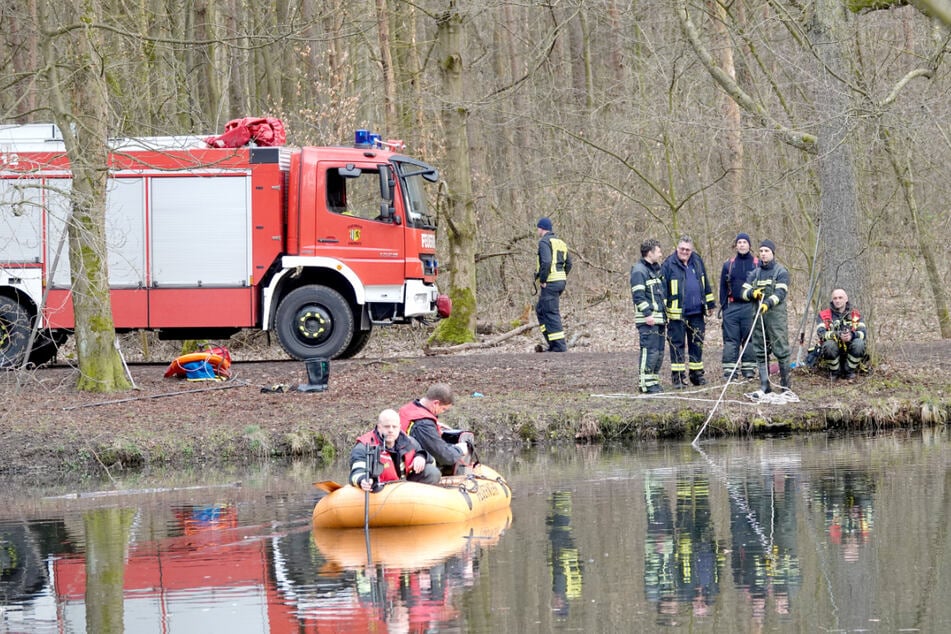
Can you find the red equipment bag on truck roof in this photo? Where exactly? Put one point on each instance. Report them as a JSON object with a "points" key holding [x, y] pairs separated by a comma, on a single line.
{"points": [[264, 131]]}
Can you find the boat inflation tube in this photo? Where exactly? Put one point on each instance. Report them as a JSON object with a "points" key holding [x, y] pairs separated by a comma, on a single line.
{"points": [[318, 373]]}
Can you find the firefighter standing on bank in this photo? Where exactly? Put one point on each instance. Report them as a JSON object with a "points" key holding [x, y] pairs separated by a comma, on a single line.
{"points": [[551, 271], [737, 312], [647, 293], [768, 285], [689, 299]]}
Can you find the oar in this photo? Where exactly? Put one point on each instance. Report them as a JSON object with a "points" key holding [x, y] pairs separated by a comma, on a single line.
{"points": [[328, 486]]}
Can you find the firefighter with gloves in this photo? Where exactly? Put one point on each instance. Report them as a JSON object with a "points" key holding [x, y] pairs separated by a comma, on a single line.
{"points": [[551, 271], [767, 285], [841, 334], [385, 454]]}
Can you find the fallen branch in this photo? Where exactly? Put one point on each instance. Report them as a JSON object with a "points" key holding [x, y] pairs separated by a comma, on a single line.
{"points": [[477, 345]]}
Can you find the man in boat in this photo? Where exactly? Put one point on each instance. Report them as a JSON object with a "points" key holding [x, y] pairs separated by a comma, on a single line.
{"points": [[399, 456], [420, 421]]}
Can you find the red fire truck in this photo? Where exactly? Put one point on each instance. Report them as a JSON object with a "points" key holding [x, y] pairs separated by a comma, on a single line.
{"points": [[316, 243]]}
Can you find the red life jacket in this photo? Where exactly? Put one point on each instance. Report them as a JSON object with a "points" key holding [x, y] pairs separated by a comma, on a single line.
{"points": [[826, 316], [412, 412], [390, 472]]}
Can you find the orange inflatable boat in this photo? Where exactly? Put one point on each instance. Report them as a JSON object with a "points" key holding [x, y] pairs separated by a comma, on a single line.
{"points": [[455, 499]]}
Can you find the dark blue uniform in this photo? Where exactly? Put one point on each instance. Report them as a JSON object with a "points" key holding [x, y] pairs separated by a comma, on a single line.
{"points": [[738, 315]]}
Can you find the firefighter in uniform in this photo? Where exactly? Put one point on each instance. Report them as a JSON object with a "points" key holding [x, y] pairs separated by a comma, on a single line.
{"points": [[551, 271], [768, 285], [689, 299], [737, 312], [420, 421], [647, 293], [400, 457], [841, 335]]}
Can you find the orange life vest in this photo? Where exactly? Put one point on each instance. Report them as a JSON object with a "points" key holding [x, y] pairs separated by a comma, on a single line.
{"points": [[390, 472], [412, 412]]}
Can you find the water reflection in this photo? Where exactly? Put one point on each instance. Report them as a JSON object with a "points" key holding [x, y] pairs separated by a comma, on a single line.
{"points": [[564, 559], [682, 559], [807, 534], [401, 579]]}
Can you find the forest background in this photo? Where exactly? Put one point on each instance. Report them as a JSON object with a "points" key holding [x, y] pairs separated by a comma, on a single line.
{"points": [[821, 125]]}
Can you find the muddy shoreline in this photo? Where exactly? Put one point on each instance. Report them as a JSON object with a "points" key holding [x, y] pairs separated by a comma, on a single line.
{"points": [[49, 431]]}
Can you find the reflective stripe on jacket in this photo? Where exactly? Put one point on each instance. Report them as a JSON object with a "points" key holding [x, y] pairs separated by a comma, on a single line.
{"points": [[553, 262], [829, 323], [675, 273], [647, 292], [772, 278], [404, 447]]}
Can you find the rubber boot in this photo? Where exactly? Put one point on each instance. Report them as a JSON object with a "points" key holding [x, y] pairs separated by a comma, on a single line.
{"points": [[679, 380], [697, 378], [784, 376], [318, 373], [764, 378]]}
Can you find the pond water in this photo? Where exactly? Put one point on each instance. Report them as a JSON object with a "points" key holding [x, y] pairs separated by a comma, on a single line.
{"points": [[813, 533]]}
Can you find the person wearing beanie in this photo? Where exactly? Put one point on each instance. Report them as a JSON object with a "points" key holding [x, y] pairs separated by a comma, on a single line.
{"points": [[767, 286], [689, 299], [737, 312], [551, 270]]}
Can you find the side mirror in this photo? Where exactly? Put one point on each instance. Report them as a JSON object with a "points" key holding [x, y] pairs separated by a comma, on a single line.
{"points": [[386, 184]]}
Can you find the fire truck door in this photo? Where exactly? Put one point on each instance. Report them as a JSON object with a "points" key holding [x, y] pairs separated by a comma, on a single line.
{"points": [[350, 228]]}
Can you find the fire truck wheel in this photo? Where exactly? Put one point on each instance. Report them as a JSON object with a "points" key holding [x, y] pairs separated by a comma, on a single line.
{"points": [[314, 321], [14, 332]]}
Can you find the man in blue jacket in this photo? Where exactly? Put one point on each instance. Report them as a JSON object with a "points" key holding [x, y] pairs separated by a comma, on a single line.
{"points": [[689, 299]]}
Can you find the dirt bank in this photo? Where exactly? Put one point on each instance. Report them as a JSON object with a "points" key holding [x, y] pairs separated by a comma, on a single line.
{"points": [[50, 431]]}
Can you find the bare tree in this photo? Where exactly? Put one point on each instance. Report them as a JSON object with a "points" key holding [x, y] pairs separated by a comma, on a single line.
{"points": [[459, 215], [75, 58]]}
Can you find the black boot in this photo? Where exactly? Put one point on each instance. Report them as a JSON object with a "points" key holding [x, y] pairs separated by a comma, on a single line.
{"points": [[784, 376], [764, 378], [318, 373], [696, 377], [679, 380]]}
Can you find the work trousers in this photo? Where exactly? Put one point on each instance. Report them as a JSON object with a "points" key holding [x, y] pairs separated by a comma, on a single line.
{"points": [[737, 323], [548, 312], [774, 324], [834, 352], [688, 333], [652, 354]]}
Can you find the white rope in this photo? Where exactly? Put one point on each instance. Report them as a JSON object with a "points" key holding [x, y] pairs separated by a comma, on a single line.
{"points": [[739, 357]]}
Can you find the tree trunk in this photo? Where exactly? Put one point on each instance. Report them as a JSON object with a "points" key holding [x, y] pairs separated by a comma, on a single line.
{"points": [[731, 152], [386, 64], [459, 215], [80, 105], [842, 257], [926, 246]]}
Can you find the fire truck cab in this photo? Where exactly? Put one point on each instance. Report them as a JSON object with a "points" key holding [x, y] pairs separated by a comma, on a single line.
{"points": [[318, 244]]}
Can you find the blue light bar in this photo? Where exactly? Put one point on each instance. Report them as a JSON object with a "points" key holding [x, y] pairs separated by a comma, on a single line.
{"points": [[361, 138]]}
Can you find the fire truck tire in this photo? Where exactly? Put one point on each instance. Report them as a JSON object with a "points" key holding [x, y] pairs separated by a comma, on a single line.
{"points": [[357, 344], [14, 332], [314, 321]]}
